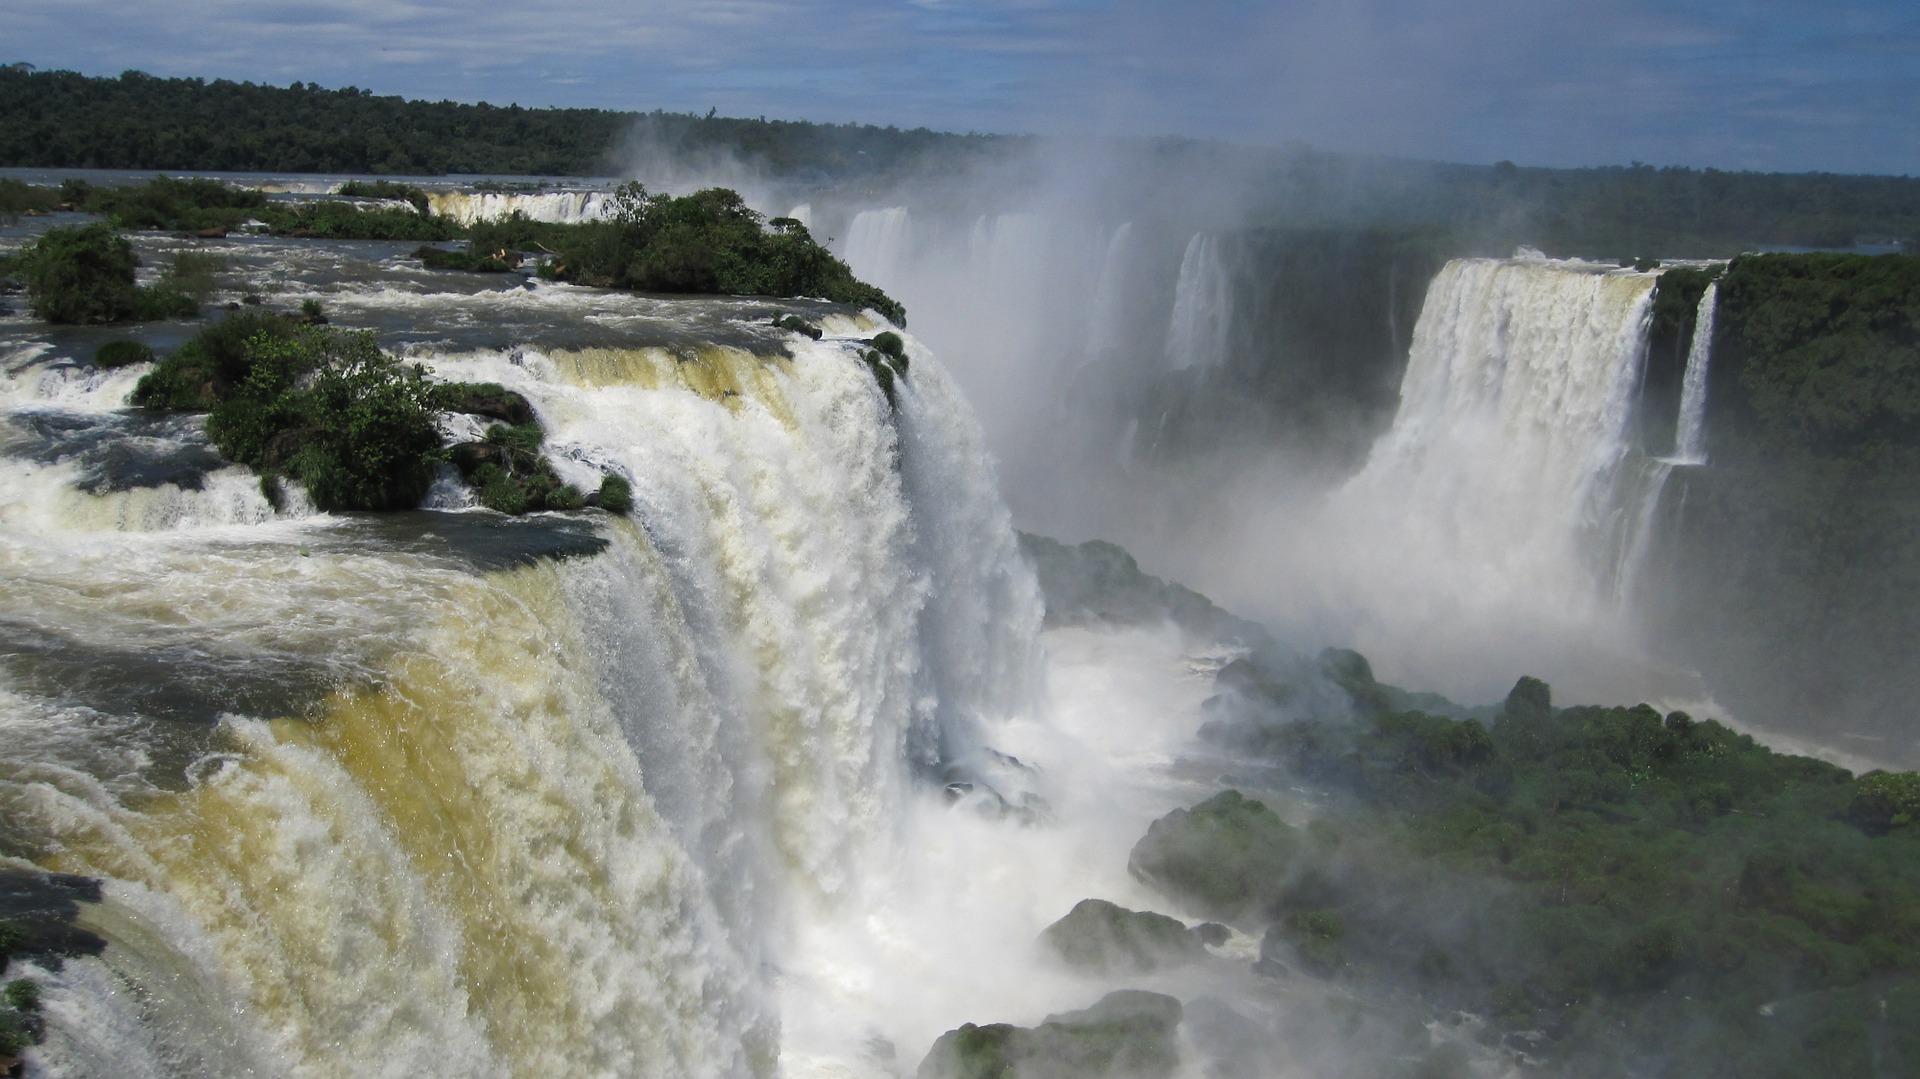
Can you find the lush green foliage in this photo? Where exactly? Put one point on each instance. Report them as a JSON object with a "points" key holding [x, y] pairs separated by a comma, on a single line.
{"points": [[59, 119], [615, 495], [211, 365], [1655, 895], [86, 275], [1795, 573], [201, 205], [122, 354], [1826, 348], [709, 241], [19, 197], [164, 202], [328, 408]]}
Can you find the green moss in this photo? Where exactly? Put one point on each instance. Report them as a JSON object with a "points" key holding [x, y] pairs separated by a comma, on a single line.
{"points": [[615, 495], [22, 994], [1229, 856]]}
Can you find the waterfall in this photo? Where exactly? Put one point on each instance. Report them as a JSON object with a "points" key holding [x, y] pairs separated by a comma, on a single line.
{"points": [[876, 245], [1689, 442], [563, 207], [373, 798], [1106, 325], [1197, 334], [1495, 498]]}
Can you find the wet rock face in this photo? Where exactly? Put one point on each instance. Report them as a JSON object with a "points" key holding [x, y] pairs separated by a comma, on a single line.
{"points": [[1107, 938], [1128, 1034]]}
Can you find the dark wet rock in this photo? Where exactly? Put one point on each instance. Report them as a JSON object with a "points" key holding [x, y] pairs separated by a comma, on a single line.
{"points": [[1107, 938], [1212, 934], [798, 325], [40, 908], [1128, 1034], [174, 682], [484, 399], [1099, 582], [996, 783], [119, 451], [483, 542]]}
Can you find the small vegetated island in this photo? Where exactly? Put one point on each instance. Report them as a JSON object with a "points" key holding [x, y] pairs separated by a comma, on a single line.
{"points": [[295, 399]]}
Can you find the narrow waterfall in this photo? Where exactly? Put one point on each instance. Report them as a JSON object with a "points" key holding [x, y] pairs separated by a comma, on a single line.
{"points": [[1690, 436], [1107, 323], [405, 796], [1197, 334]]}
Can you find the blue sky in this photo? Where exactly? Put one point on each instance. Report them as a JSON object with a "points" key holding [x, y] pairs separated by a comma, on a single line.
{"points": [[1780, 85]]}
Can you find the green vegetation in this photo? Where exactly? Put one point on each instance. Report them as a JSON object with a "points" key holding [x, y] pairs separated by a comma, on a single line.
{"points": [[511, 475], [59, 119], [1639, 893], [209, 206], [709, 241], [122, 354], [290, 398], [19, 197], [1126, 1034], [86, 275], [706, 242], [1794, 574], [328, 408], [384, 189], [615, 495], [23, 994]]}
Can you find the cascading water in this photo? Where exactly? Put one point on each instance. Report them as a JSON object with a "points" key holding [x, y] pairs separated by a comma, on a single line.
{"points": [[392, 796], [1198, 334], [564, 207], [876, 244], [1690, 436], [1495, 498]]}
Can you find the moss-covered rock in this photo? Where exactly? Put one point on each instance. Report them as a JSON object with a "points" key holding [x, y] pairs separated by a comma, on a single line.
{"points": [[1107, 938], [1129, 1034], [489, 399], [1228, 856]]}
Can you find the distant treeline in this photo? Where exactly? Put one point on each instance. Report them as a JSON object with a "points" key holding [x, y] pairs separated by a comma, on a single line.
{"points": [[1618, 211], [60, 119]]}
